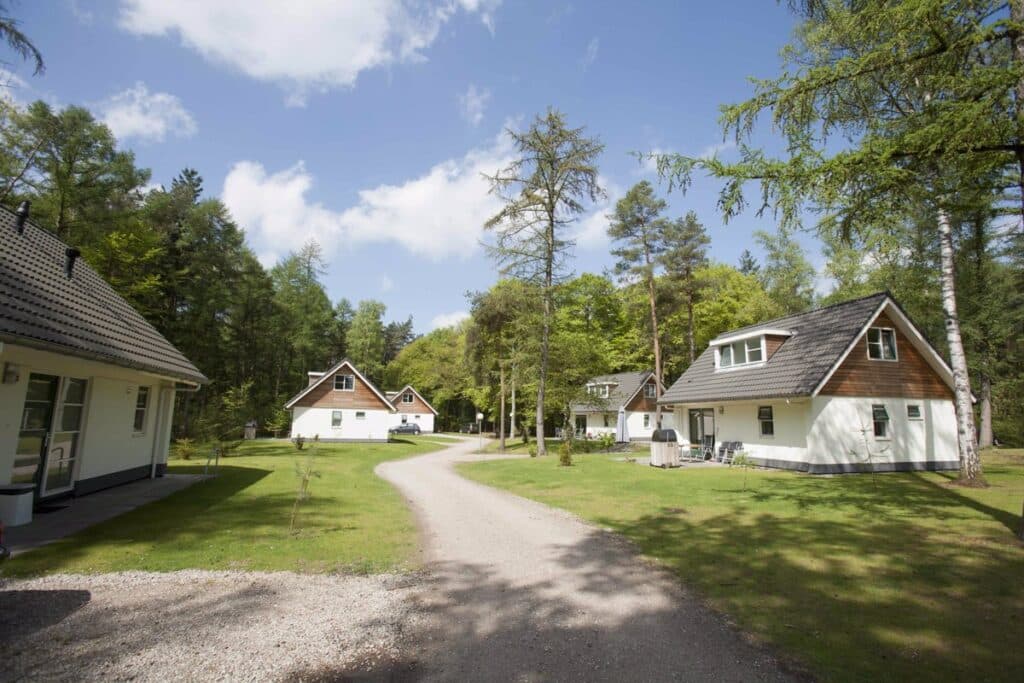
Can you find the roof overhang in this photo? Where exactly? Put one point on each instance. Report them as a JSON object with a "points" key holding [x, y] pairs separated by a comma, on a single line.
{"points": [[409, 387], [751, 334], [330, 373]]}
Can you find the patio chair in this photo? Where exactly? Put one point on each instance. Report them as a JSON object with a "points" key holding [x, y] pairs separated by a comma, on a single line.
{"points": [[708, 448], [723, 451], [725, 454]]}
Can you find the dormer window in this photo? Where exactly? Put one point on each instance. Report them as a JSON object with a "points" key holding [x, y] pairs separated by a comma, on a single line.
{"points": [[407, 397], [742, 352], [881, 343], [650, 390], [599, 390]]}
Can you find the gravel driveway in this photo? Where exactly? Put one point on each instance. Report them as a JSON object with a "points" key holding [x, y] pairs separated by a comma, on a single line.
{"points": [[512, 591], [518, 591]]}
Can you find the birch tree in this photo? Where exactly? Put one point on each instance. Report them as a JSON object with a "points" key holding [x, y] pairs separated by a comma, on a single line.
{"points": [[885, 107], [544, 191]]}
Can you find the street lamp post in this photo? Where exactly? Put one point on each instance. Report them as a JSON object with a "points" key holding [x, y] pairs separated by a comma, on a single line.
{"points": [[480, 429]]}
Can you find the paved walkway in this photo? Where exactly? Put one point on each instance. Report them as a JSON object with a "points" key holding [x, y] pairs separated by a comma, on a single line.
{"points": [[518, 591], [94, 508]]}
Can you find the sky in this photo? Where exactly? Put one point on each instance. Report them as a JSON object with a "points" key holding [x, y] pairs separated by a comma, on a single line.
{"points": [[366, 125]]}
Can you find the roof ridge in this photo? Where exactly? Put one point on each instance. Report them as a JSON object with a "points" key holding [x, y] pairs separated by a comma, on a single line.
{"points": [[838, 304]]}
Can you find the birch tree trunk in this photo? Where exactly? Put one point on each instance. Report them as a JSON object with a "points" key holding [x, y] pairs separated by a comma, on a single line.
{"points": [[657, 341], [512, 416], [985, 399], [970, 463], [501, 421], [542, 374]]}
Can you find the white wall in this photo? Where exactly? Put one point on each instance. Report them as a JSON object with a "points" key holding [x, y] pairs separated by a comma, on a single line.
{"points": [[107, 443], [842, 431], [310, 422], [634, 423], [737, 421], [424, 420]]}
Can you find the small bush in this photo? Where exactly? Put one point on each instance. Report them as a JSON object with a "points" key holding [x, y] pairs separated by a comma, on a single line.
{"points": [[185, 449], [299, 441], [565, 453], [606, 441], [533, 450]]}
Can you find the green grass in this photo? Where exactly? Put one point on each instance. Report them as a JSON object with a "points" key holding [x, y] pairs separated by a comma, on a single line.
{"points": [[353, 522], [515, 445], [886, 577]]}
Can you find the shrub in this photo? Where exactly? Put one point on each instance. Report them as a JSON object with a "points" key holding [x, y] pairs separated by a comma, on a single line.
{"points": [[741, 459], [565, 453], [533, 450], [185, 449], [606, 441], [299, 441]]}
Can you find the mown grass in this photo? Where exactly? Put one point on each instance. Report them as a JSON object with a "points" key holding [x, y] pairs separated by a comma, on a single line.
{"points": [[353, 522], [885, 577]]}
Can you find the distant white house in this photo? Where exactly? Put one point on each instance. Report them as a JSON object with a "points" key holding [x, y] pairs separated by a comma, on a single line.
{"points": [[634, 392], [341, 404], [88, 386], [411, 408], [846, 388]]}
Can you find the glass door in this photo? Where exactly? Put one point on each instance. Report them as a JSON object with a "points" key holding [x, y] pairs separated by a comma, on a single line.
{"points": [[34, 431], [59, 472]]}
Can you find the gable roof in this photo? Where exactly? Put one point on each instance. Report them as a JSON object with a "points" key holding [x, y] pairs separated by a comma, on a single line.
{"points": [[393, 397], [627, 386], [80, 316], [328, 374], [820, 340]]}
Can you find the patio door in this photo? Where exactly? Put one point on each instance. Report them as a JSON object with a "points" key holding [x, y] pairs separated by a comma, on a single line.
{"points": [[702, 424], [34, 430], [62, 454]]}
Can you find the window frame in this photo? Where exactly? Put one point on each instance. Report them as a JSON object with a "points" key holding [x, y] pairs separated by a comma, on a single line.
{"points": [[143, 391], [651, 390], [880, 344], [884, 421], [360, 414], [766, 416], [349, 379], [736, 355], [917, 408], [407, 397], [647, 420], [336, 414]]}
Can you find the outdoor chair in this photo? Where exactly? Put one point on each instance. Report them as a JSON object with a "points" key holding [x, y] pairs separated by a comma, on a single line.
{"points": [[708, 448]]}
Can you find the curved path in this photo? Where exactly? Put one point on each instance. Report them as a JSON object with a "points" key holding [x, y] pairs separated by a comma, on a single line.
{"points": [[518, 591]]}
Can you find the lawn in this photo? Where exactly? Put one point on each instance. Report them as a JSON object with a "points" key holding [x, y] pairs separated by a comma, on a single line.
{"points": [[353, 521], [886, 577]]}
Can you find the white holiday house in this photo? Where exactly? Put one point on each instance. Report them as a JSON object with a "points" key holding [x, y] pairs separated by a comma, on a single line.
{"points": [[411, 408], [633, 393], [88, 386], [341, 404], [846, 388]]}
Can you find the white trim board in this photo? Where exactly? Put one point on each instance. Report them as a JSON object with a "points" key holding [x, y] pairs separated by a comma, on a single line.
{"points": [[330, 373]]}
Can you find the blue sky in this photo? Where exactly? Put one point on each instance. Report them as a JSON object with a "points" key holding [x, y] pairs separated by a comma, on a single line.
{"points": [[365, 125]]}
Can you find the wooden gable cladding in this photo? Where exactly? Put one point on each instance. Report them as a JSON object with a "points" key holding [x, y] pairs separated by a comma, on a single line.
{"points": [[909, 376], [641, 403], [325, 395], [417, 407], [772, 343]]}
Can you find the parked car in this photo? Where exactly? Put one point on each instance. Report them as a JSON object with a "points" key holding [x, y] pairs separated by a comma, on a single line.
{"points": [[405, 429], [469, 428]]}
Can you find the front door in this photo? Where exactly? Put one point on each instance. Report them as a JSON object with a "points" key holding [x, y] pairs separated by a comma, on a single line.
{"points": [[581, 424], [34, 431], [702, 423]]}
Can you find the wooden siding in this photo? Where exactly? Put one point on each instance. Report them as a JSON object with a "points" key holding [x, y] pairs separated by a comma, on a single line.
{"points": [[641, 403], [908, 377], [417, 407], [772, 342], [324, 396]]}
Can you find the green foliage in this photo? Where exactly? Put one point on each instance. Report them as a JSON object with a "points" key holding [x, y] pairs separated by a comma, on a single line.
{"points": [[185, 449], [305, 472], [606, 440], [299, 441], [532, 448], [278, 421], [565, 451], [366, 342], [787, 275]]}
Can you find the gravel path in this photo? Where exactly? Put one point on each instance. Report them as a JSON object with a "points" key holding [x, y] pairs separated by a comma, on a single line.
{"points": [[202, 626], [518, 591]]}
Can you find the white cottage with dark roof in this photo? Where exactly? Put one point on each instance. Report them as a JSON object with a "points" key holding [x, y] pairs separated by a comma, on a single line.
{"points": [[846, 388], [635, 393], [88, 386]]}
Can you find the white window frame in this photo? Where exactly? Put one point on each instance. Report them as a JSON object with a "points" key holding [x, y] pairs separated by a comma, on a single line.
{"points": [[744, 347], [360, 414], [143, 390], [651, 390], [887, 431], [761, 421], [880, 344], [336, 414], [348, 379], [920, 413], [647, 420], [407, 397]]}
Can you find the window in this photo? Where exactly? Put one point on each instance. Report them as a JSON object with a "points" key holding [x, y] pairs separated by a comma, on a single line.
{"points": [[880, 418], [745, 352], [405, 419], [651, 390], [913, 412], [647, 420], [360, 415], [141, 403], [344, 382], [766, 418], [600, 390], [407, 397], [882, 343], [335, 418], [606, 421], [416, 417]]}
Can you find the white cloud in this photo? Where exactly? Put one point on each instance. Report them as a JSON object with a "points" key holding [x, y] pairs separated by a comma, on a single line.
{"points": [[448, 319], [305, 47], [649, 165], [437, 214], [590, 56], [592, 230], [472, 104], [84, 16], [714, 150], [11, 85], [151, 117], [386, 283]]}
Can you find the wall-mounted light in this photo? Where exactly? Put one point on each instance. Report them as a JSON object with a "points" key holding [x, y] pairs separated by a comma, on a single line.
{"points": [[721, 410], [12, 373]]}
